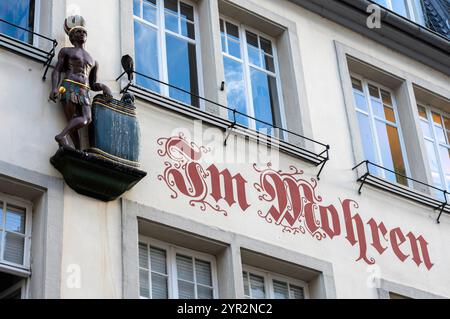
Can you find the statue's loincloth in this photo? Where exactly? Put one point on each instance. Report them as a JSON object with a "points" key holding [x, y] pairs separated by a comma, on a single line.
{"points": [[76, 92]]}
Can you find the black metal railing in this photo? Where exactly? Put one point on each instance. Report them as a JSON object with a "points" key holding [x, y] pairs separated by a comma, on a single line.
{"points": [[33, 51], [317, 158], [429, 200]]}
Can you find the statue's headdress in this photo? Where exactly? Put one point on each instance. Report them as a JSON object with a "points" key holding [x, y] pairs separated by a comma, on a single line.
{"points": [[74, 22]]}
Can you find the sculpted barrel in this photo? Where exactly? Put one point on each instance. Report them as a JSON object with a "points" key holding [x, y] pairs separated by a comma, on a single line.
{"points": [[114, 131]]}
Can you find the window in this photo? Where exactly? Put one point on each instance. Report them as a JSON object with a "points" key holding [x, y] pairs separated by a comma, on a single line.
{"points": [[165, 37], [251, 76], [436, 132], [14, 233], [411, 9], [21, 13], [380, 130], [171, 272], [264, 285]]}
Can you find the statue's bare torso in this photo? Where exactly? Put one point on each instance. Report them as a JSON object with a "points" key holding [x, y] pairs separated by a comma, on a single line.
{"points": [[77, 65]]}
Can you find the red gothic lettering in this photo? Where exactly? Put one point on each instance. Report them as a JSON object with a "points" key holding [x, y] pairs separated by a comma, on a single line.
{"points": [[376, 229], [216, 189], [415, 250], [335, 229], [361, 240], [395, 236]]}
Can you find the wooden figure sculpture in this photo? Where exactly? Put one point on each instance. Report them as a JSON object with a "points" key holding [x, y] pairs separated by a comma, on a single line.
{"points": [[80, 76]]}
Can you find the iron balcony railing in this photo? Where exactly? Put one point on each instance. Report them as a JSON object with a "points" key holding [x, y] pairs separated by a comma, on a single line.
{"points": [[435, 202], [34, 49], [307, 150]]}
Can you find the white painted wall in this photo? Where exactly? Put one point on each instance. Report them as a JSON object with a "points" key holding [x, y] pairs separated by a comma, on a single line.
{"points": [[92, 230]]}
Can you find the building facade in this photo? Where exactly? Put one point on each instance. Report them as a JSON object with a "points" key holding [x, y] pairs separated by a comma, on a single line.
{"points": [[293, 149]]}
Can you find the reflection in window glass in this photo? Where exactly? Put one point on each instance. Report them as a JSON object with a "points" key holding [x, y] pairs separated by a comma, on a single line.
{"points": [[177, 34], [12, 233], [234, 78], [18, 12], [435, 132], [379, 130]]}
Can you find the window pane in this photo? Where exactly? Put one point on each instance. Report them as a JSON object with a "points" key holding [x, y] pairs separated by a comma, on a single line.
{"points": [[296, 292], [187, 11], [144, 289], [386, 97], [253, 50], [17, 12], [234, 48], [445, 159], [143, 256], [266, 46], [15, 219], [149, 12], [236, 93], [426, 129], [1, 217], [399, 6], [280, 290], [186, 290], [440, 134], [203, 273], [187, 29], [391, 152], [268, 63], [185, 268], [180, 52], [232, 31], [437, 119], [389, 114], [246, 287], [257, 287], [360, 101], [137, 8], [265, 99], [366, 138], [447, 123], [14, 248], [373, 90], [146, 53], [377, 108], [158, 260], [422, 112], [204, 292], [171, 22], [159, 287], [382, 3], [171, 6], [357, 85]]}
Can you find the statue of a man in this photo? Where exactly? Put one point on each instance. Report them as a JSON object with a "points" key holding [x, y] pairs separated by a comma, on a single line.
{"points": [[80, 76]]}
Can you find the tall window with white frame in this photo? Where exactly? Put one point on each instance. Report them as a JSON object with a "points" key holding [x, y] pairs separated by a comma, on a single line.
{"points": [[380, 130], [251, 77], [436, 132], [264, 285], [171, 272], [20, 13], [15, 233], [166, 48]]}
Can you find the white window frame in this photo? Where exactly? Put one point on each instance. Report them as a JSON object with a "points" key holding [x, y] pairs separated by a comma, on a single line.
{"points": [[436, 144], [36, 23], [247, 74], [269, 277], [171, 266], [372, 120], [7, 266], [161, 31], [23, 285]]}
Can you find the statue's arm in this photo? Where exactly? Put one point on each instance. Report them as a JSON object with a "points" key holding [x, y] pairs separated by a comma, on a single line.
{"points": [[95, 86], [56, 75]]}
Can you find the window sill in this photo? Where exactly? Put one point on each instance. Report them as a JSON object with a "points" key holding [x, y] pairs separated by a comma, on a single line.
{"points": [[14, 269], [313, 157], [419, 197]]}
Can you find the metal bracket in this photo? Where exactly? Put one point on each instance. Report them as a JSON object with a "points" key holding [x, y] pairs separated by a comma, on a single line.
{"points": [[324, 162], [230, 128], [441, 208]]}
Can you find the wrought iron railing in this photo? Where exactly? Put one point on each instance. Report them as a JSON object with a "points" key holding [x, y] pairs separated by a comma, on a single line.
{"points": [[309, 154], [430, 200], [35, 52]]}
